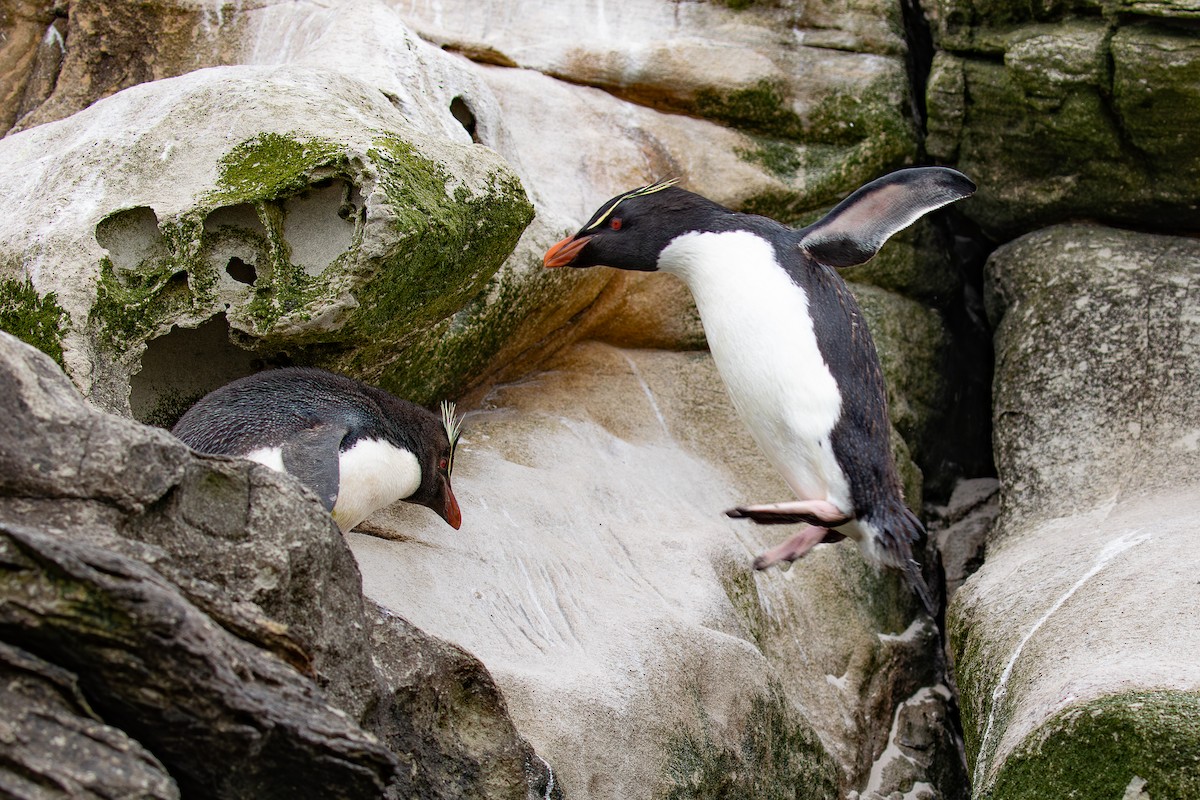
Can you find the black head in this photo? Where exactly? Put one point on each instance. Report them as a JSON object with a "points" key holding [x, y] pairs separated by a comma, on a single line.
{"points": [[632, 229], [433, 441]]}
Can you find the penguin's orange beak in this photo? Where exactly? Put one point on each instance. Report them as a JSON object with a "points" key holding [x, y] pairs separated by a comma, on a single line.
{"points": [[450, 510], [564, 252]]}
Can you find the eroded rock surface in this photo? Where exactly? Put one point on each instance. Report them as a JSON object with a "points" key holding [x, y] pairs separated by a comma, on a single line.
{"points": [[1076, 644], [319, 216], [601, 584]]}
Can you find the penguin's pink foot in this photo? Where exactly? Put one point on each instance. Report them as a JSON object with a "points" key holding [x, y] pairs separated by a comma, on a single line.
{"points": [[796, 546], [820, 513]]}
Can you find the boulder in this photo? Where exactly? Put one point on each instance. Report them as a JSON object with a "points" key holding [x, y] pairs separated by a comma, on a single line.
{"points": [[1075, 643], [811, 114], [208, 611], [50, 731], [318, 228]]}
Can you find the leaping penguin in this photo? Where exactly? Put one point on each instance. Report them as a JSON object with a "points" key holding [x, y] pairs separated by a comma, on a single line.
{"points": [[359, 448], [790, 343]]}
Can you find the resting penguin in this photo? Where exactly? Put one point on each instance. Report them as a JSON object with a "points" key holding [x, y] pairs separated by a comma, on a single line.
{"points": [[358, 447], [790, 343]]}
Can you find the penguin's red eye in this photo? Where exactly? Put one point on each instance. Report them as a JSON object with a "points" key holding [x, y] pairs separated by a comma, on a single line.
{"points": [[442, 464], [615, 224]]}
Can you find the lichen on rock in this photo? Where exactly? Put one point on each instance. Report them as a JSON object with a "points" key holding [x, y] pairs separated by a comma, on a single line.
{"points": [[34, 319]]}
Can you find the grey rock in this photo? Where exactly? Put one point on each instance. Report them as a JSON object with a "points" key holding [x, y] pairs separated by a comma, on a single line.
{"points": [[55, 747], [1069, 118], [153, 663], [960, 529], [237, 599], [923, 755]]}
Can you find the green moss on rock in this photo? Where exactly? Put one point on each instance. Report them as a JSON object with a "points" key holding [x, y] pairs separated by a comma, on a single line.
{"points": [[1099, 749], [434, 288], [742, 591], [844, 141], [781, 159], [36, 320], [763, 108], [778, 757], [130, 306], [413, 324], [270, 166]]}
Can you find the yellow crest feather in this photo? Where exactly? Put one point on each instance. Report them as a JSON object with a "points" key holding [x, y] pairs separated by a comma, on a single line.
{"points": [[642, 191]]}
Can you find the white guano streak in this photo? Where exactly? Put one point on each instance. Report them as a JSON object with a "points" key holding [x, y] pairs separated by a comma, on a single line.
{"points": [[637, 373], [1110, 551]]}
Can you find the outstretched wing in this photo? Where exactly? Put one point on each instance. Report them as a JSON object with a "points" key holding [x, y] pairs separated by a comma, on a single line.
{"points": [[855, 230]]}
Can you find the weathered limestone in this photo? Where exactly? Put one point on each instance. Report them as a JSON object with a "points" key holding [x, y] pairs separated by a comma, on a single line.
{"points": [[1076, 645], [318, 217]]}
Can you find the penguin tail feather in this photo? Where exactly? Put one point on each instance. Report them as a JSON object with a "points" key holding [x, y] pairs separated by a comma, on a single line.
{"points": [[899, 529]]}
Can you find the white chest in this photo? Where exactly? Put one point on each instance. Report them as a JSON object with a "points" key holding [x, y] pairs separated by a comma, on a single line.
{"points": [[762, 339], [373, 474]]}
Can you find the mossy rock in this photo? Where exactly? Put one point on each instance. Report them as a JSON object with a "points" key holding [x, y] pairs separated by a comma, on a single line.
{"points": [[845, 139], [779, 756], [418, 251], [1078, 118], [34, 319], [1133, 744], [912, 341], [319, 228]]}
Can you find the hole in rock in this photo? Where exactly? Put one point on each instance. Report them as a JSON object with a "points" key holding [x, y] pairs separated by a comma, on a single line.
{"points": [[131, 237], [236, 243], [241, 272], [465, 116], [183, 365], [242, 217], [317, 226]]}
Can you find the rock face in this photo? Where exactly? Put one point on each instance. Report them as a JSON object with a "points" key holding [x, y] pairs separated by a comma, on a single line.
{"points": [[1060, 112], [320, 216], [196, 189], [199, 625], [614, 602], [1076, 648]]}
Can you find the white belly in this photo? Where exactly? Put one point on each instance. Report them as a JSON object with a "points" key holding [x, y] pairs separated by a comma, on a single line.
{"points": [[373, 474], [762, 340]]}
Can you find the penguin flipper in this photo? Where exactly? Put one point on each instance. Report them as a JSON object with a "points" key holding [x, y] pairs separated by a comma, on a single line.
{"points": [[855, 230], [312, 457]]}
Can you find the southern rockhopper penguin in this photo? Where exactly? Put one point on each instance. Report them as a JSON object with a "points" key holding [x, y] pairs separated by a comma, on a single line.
{"points": [[790, 343], [357, 447]]}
